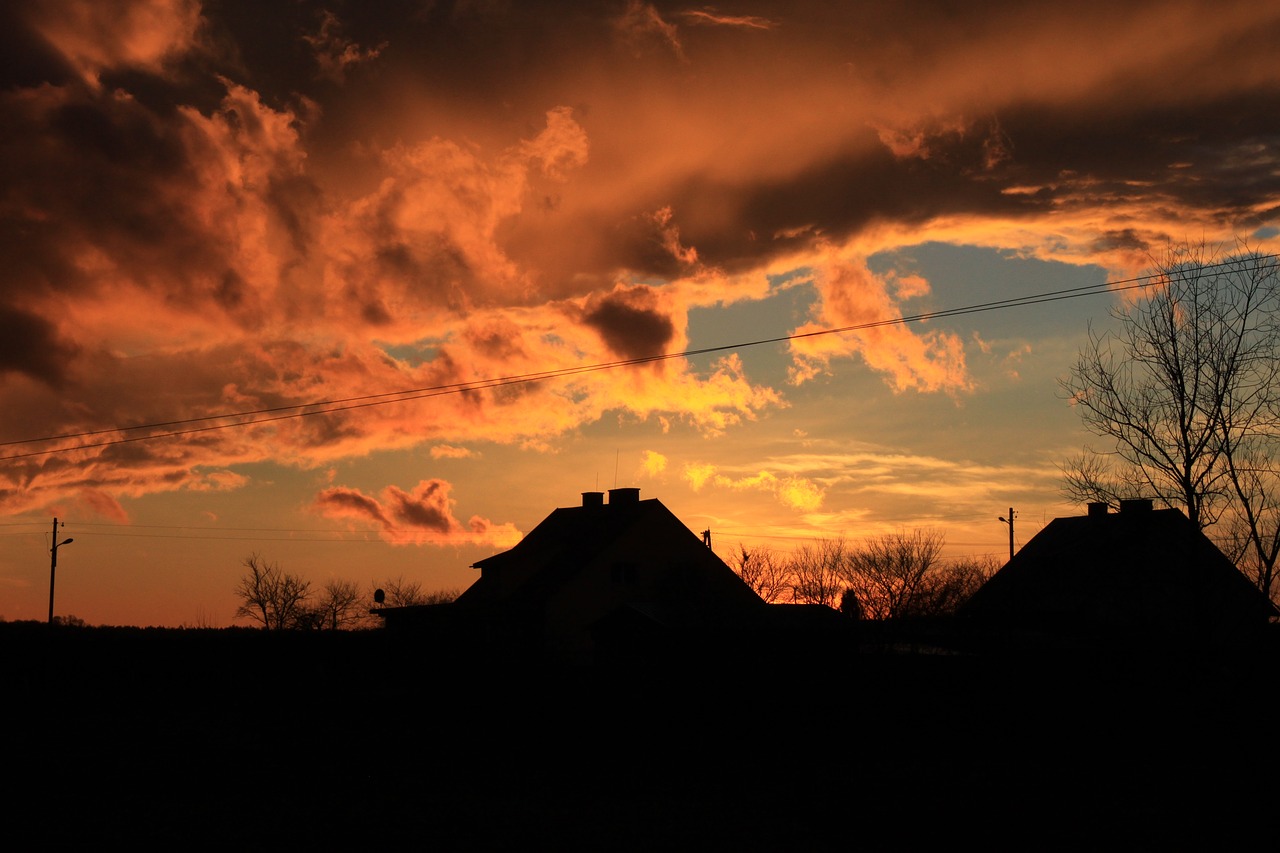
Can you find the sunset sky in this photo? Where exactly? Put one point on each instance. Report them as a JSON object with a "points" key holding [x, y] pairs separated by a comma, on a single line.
{"points": [[230, 207]]}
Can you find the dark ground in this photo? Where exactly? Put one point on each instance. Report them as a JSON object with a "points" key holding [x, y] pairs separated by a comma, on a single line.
{"points": [[238, 739]]}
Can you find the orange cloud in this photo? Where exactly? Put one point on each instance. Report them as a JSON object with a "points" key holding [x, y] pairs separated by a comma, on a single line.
{"points": [[445, 451], [193, 227], [709, 17], [853, 296], [103, 505], [94, 37], [793, 491], [653, 463], [426, 239]]}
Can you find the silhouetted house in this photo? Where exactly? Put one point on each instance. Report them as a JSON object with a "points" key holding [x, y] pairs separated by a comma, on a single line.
{"points": [[603, 579], [1138, 577]]}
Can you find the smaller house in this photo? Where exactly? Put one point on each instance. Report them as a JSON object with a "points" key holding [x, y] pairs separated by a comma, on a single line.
{"points": [[1141, 576]]}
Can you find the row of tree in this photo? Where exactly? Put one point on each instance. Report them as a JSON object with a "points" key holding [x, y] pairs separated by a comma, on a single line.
{"points": [[887, 577], [1185, 390], [893, 576], [278, 600]]}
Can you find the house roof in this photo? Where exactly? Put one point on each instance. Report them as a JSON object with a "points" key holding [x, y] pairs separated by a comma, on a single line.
{"points": [[1139, 569], [571, 538]]}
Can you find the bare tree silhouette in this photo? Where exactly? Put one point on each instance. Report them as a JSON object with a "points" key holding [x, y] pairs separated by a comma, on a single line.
{"points": [[817, 571], [891, 574], [1186, 390], [270, 596], [341, 606], [764, 570]]}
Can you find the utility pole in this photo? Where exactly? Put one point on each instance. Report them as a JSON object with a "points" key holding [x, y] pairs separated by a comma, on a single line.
{"points": [[53, 563], [1009, 521]]}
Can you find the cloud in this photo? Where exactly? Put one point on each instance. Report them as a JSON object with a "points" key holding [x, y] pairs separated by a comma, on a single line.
{"points": [[427, 238], [194, 224], [340, 502], [795, 492], [31, 346], [671, 238], [445, 451], [852, 296], [653, 464], [103, 505], [423, 516], [335, 54], [642, 25], [698, 474], [217, 481], [711, 18], [94, 37], [631, 322]]}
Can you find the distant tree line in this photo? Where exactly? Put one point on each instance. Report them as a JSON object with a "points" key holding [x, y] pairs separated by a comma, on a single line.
{"points": [[277, 600], [892, 576]]}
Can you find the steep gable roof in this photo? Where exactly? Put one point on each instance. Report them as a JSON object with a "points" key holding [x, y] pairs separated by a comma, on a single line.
{"points": [[1139, 570], [573, 538]]}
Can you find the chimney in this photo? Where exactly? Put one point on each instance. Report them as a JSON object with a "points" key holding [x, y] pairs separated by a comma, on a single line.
{"points": [[624, 496], [1098, 508], [1136, 505], [593, 498]]}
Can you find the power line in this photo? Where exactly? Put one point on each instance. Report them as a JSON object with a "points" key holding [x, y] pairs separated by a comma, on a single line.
{"points": [[80, 524], [278, 413], [88, 536]]}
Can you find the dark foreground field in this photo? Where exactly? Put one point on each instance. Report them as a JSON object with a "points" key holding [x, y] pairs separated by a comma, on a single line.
{"points": [[236, 739]]}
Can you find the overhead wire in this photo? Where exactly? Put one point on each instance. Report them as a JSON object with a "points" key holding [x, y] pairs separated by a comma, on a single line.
{"points": [[278, 413]]}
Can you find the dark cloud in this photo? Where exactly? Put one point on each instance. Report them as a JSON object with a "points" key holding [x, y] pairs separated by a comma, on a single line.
{"points": [[26, 59], [427, 507], [99, 170], [1127, 238], [335, 53], [343, 501], [1218, 156], [631, 323], [420, 516], [1192, 153], [838, 198], [30, 345]]}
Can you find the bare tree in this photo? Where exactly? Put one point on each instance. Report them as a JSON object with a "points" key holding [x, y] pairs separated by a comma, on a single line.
{"points": [[400, 592], [890, 575], [270, 596], [1186, 391], [341, 606], [441, 596], [764, 570], [952, 583], [817, 572]]}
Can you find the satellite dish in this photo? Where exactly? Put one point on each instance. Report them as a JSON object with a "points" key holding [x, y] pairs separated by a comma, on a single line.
{"points": [[379, 596]]}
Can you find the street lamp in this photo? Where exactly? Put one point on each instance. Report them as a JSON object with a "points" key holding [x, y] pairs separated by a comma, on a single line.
{"points": [[1009, 521], [53, 563]]}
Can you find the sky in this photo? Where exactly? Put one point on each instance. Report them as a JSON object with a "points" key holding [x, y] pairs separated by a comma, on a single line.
{"points": [[223, 207]]}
